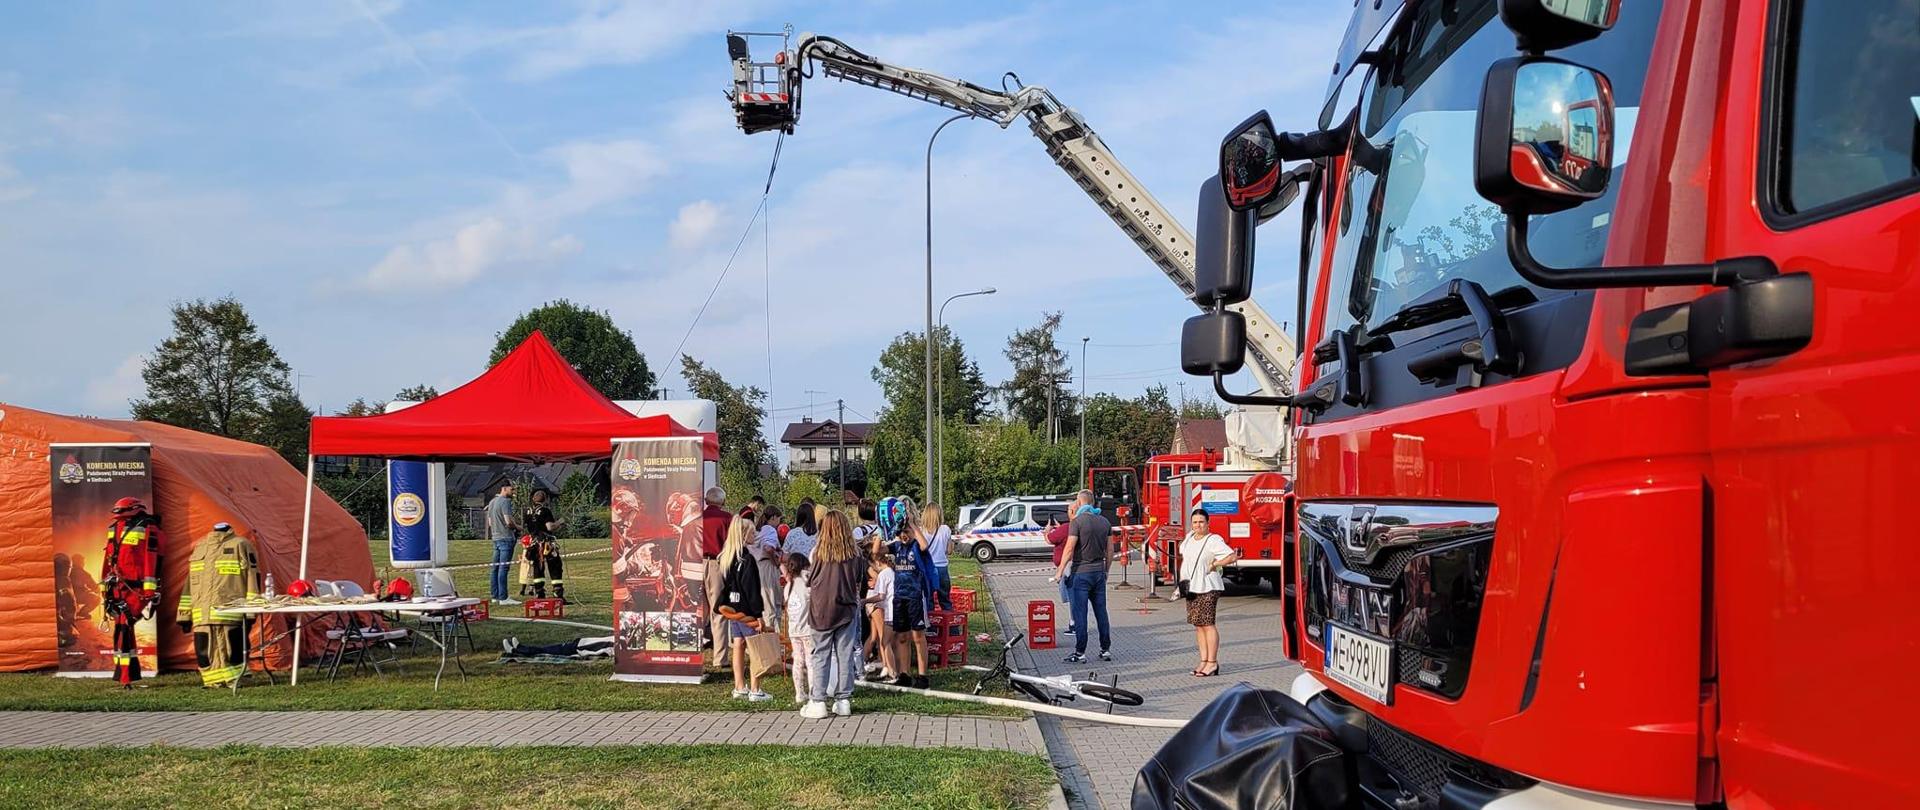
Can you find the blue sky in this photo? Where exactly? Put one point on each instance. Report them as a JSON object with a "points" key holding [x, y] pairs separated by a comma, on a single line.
{"points": [[386, 185]]}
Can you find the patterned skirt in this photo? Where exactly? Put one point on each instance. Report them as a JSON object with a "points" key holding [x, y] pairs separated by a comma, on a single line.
{"points": [[1200, 608]]}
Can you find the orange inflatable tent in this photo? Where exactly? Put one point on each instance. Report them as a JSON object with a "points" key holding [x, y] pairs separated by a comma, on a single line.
{"points": [[198, 480]]}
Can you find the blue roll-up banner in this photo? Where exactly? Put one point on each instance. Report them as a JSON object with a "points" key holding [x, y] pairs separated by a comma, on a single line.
{"points": [[416, 514]]}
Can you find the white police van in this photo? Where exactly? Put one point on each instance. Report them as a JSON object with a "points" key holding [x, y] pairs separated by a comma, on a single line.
{"points": [[1013, 527]]}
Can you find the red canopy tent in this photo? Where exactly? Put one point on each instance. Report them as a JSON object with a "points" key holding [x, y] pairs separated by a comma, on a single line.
{"points": [[531, 406]]}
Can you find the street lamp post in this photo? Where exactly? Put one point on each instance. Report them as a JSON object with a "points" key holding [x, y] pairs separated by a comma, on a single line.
{"points": [[940, 398], [1083, 410], [927, 494]]}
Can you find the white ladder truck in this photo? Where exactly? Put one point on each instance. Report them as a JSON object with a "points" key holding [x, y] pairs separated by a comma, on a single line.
{"points": [[766, 96]]}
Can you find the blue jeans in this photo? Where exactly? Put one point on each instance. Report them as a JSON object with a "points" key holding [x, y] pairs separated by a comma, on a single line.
{"points": [[835, 662], [1090, 587], [942, 583], [502, 560]]}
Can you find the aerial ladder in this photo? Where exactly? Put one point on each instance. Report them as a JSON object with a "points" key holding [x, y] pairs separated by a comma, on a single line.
{"points": [[766, 96]]}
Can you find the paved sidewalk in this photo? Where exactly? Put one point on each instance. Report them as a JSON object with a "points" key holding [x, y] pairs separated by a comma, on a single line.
{"points": [[497, 728], [1153, 655]]}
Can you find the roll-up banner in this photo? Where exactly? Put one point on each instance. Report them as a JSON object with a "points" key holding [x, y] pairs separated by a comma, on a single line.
{"points": [[658, 572], [416, 514], [87, 479]]}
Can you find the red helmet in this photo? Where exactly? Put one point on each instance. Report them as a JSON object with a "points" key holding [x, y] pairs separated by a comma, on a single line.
{"points": [[299, 588], [125, 505], [526, 540], [399, 588]]}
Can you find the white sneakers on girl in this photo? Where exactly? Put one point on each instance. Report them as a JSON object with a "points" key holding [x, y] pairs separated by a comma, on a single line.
{"points": [[757, 696], [842, 707], [814, 710]]}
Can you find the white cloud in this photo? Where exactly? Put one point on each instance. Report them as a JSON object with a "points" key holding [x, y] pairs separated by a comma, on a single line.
{"points": [[472, 252], [623, 33], [12, 187], [600, 172], [110, 394], [694, 225], [521, 227]]}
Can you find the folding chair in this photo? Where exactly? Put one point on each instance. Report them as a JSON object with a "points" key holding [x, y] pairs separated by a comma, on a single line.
{"points": [[360, 639]]}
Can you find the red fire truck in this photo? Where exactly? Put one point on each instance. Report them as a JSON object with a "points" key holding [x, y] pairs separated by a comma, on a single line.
{"points": [[1575, 447], [1245, 507]]}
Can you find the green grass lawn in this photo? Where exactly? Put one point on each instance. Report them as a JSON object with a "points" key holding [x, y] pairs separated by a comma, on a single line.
{"points": [[491, 684], [837, 777]]}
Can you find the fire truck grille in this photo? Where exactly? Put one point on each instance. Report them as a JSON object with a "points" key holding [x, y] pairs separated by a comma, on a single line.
{"points": [[1385, 568], [1420, 766], [1424, 768]]}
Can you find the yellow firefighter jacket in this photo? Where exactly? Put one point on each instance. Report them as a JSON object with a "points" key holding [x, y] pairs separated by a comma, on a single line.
{"points": [[222, 570]]}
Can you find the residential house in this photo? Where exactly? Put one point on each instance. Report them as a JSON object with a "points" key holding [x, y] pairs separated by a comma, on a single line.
{"points": [[813, 446]]}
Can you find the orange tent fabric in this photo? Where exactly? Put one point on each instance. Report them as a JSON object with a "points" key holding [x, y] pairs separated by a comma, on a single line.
{"points": [[198, 480]]}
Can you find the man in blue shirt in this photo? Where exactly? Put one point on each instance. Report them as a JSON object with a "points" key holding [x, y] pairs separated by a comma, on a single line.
{"points": [[503, 530]]}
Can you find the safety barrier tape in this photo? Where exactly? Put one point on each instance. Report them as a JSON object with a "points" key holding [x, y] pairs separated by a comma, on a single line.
{"points": [[517, 562], [1121, 558]]}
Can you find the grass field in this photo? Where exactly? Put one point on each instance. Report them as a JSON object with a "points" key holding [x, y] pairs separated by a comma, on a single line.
{"points": [[491, 684], [837, 777]]}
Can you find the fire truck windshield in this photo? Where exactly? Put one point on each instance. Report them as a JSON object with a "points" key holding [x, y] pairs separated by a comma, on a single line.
{"points": [[1409, 219]]}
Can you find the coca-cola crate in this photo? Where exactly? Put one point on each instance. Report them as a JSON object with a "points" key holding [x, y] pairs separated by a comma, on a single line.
{"points": [[965, 600], [545, 608], [1040, 614], [475, 613], [947, 623]]}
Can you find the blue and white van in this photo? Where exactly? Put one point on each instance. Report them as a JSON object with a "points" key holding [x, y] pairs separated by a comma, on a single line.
{"points": [[1013, 527]]}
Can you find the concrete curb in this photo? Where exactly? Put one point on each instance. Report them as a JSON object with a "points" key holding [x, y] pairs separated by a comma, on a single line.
{"points": [[1073, 789]]}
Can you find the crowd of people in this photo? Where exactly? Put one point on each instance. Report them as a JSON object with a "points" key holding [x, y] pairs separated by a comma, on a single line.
{"points": [[850, 586]]}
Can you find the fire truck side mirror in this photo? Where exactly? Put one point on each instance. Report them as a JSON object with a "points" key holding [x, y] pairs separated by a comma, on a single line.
{"points": [[1545, 25], [1250, 163], [1545, 135], [1223, 249], [1213, 343]]}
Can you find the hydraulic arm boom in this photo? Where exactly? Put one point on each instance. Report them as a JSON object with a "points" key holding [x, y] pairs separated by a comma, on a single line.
{"points": [[766, 95]]}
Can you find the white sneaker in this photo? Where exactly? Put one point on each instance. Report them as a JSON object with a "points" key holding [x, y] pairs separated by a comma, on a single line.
{"points": [[506, 601], [872, 669], [757, 696], [507, 644], [842, 707], [814, 710], [739, 693]]}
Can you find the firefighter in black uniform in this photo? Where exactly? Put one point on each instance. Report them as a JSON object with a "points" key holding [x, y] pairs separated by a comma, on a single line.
{"points": [[544, 551]]}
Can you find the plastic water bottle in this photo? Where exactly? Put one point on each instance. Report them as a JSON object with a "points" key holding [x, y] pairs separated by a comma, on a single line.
{"points": [[269, 593]]}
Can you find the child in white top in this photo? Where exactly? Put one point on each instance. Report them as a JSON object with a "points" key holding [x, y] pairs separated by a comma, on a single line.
{"points": [[880, 612], [799, 626]]}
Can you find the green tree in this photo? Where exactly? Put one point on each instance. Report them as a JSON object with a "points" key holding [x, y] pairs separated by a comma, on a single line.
{"points": [[1039, 367], [902, 375], [1007, 457], [604, 354], [803, 486], [1123, 432], [1201, 409], [418, 393], [740, 411], [361, 406], [215, 373], [286, 428]]}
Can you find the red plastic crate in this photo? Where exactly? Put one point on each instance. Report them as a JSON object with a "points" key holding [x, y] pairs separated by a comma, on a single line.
{"points": [[475, 613], [964, 600], [947, 623], [1040, 624], [545, 608]]}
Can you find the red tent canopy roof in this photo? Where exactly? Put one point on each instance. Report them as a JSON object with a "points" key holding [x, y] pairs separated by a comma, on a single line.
{"points": [[532, 405]]}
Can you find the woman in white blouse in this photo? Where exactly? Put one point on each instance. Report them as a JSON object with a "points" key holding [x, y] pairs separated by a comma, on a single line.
{"points": [[1202, 555]]}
